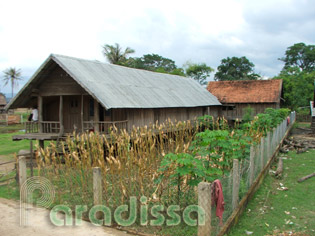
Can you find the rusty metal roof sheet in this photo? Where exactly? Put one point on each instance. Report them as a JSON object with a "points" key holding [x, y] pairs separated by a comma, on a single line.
{"points": [[246, 91]]}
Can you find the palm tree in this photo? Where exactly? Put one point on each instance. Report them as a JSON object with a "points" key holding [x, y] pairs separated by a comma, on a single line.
{"points": [[115, 54], [12, 75]]}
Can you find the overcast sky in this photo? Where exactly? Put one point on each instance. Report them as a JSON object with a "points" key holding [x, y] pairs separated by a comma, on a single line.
{"points": [[196, 31]]}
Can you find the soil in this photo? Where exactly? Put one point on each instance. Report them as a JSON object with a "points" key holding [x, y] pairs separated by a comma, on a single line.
{"points": [[39, 223], [303, 134]]}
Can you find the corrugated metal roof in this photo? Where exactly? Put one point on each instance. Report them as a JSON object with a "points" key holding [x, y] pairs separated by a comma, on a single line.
{"points": [[122, 87]]}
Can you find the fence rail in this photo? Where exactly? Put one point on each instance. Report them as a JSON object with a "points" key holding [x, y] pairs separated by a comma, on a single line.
{"points": [[31, 127], [50, 126]]}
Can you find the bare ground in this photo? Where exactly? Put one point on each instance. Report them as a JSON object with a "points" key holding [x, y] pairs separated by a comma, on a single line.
{"points": [[39, 223]]}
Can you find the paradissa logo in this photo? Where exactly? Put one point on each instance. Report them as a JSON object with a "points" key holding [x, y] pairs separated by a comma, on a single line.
{"points": [[155, 211]]}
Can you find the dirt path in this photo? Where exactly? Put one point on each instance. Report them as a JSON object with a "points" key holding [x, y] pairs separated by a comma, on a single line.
{"points": [[40, 224]]}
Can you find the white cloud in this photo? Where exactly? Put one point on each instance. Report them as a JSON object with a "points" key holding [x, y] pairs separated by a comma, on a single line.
{"points": [[200, 31]]}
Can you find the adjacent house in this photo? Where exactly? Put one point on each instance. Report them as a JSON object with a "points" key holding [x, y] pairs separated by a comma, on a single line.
{"points": [[3, 102], [235, 96], [73, 94]]}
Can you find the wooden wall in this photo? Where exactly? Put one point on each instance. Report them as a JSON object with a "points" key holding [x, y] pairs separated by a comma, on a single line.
{"points": [[141, 117], [58, 82], [237, 111]]}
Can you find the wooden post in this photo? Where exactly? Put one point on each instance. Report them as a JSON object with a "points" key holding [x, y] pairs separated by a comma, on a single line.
{"points": [[268, 145], [97, 186], [61, 115], [22, 170], [82, 117], [262, 147], [252, 165], [41, 143], [236, 184], [96, 116], [40, 113], [31, 157], [204, 201], [208, 108]]}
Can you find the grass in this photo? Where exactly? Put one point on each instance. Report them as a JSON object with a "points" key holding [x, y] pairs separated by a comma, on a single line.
{"points": [[293, 210], [11, 190], [302, 125], [7, 146]]}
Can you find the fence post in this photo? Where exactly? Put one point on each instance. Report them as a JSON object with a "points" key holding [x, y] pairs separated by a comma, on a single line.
{"points": [[204, 201], [268, 145], [22, 170], [97, 186], [31, 157], [262, 146], [236, 184], [251, 165], [273, 141]]}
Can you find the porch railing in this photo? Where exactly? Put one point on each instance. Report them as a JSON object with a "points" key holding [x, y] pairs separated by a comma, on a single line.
{"points": [[104, 126], [47, 127], [50, 126], [31, 127]]}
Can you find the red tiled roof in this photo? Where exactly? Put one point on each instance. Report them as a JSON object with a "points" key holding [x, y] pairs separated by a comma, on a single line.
{"points": [[246, 91]]}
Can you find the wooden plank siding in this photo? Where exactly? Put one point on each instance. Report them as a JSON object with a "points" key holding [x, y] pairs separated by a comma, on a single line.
{"points": [[58, 82], [141, 117], [233, 111]]}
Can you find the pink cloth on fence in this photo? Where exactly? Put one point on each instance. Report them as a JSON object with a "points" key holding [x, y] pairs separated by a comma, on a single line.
{"points": [[218, 199]]}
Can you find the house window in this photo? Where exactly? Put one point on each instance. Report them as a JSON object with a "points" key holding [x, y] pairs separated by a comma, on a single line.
{"points": [[228, 108]]}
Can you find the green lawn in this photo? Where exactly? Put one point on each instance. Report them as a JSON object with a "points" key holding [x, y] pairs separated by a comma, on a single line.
{"points": [[272, 210], [7, 146], [303, 125]]}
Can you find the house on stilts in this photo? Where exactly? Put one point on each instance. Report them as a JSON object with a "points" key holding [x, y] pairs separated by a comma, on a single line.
{"points": [[82, 95]]}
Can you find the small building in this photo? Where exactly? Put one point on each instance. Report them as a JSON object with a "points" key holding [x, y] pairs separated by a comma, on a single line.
{"points": [[235, 96], [81, 95], [3, 102]]}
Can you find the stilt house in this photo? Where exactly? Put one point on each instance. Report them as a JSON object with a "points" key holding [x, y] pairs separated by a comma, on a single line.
{"points": [[81, 95]]}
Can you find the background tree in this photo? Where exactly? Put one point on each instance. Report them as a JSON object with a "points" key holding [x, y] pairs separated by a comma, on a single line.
{"points": [[12, 76], [199, 72], [299, 56], [152, 62], [115, 54], [298, 88], [236, 68]]}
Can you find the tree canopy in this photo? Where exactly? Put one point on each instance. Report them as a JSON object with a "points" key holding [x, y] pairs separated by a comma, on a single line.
{"points": [[12, 76], [199, 72], [236, 68], [298, 88], [298, 75], [115, 54], [152, 62], [300, 56]]}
